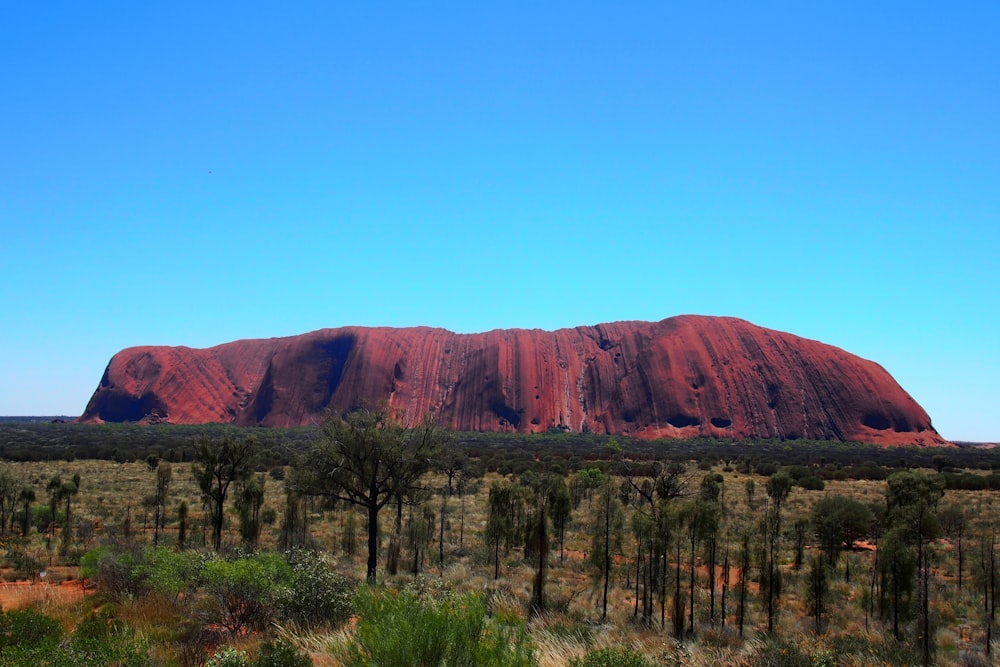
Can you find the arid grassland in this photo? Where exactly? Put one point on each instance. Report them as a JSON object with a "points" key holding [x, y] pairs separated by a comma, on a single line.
{"points": [[363, 543]]}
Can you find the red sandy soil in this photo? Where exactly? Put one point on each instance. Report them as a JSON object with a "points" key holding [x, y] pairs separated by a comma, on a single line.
{"points": [[60, 590]]}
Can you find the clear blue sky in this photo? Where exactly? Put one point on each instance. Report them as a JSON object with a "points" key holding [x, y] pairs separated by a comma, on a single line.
{"points": [[194, 173]]}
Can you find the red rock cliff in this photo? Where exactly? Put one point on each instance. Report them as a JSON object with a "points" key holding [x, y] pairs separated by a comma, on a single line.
{"points": [[684, 376]]}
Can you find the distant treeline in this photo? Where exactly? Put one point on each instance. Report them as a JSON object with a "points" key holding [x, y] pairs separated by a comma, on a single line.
{"points": [[559, 452]]}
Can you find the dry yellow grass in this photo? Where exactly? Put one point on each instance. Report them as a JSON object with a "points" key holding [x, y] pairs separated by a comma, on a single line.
{"points": [[111, 491]]}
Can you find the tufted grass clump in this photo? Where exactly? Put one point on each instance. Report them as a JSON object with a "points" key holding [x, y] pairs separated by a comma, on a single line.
{"points": [[407, 630], [612, 657]]}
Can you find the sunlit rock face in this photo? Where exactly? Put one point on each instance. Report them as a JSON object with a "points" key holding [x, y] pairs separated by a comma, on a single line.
{"points": [[681, 377]]}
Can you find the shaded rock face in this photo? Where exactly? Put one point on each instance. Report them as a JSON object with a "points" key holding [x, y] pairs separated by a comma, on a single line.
{"points": [[682, 377]]}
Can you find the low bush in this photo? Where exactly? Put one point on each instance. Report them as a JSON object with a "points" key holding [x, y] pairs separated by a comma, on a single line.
{"points": [[612, 657], [228, 657], [29, 638], [127, 572], [281, 653], [241, 593], [275, 653], [405, 630], [316, 594], [27, 627], [811, 483]]}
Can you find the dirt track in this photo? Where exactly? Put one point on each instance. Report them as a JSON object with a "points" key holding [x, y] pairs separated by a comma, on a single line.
{"points": [[64, 588]]}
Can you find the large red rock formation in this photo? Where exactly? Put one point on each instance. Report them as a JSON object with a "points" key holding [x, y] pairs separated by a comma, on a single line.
{"points": [[684, 376]]}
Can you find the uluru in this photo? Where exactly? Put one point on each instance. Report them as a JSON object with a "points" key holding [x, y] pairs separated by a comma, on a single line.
{"points": [[684, 376]]}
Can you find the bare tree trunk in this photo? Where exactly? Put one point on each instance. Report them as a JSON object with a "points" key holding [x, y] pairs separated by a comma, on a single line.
{"points": [[725, 584], [444, 514], [711, 582], [392, 553], [607, 554], [372, 541], [691, 582]]}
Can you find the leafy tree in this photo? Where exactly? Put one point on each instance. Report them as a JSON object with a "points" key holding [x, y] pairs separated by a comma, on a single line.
{"points": [[779, 486], [817, 591], [678, 519], [8, 501], [953, 521], [652, 524], [26, 497], [584, 483], [293, 521], [182, 524], [453, 463], [55, 489], [541, 493], [750, 487], [368, 459], [218, 464], [607, 533], [561, 510], [442, 523], [800, 529], [501, 527], [897, 565], [911, 514], [743, 557], [838, 521], [986, 576], [68, 491], [710, 519], [249, 499], [642, 528], [419, 532]]}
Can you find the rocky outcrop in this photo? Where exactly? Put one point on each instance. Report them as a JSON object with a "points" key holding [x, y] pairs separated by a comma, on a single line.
{"points": [[681, 377]]}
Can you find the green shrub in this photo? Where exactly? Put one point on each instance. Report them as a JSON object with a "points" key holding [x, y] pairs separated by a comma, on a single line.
{"points": [[30, 638], [241, 593], [24, 564], [281, 653], [797, 472], [811, 483], [121, 648], [611, 657], [27, 627], [316, 593], [129, 572], [228, 657], [404, 630], [170, 572], [119, 574], [766, 468]]}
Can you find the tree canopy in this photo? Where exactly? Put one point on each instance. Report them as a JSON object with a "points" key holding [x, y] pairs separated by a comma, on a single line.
{"points": [[368, 459]]}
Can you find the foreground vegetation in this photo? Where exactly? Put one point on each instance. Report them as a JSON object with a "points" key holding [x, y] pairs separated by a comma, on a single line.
{"points": [[344, 545]]}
